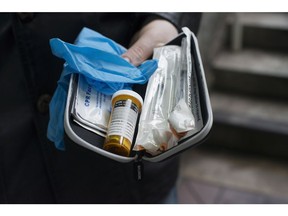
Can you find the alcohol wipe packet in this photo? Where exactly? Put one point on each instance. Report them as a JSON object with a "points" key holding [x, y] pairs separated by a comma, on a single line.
{"points": [[99, 60]]}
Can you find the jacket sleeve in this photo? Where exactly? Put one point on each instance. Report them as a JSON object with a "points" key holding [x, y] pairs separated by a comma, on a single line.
{"points": [[179, 20]]}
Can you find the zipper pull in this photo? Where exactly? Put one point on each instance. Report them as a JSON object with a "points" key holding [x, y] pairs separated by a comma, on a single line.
{"points": [[138, 167]]}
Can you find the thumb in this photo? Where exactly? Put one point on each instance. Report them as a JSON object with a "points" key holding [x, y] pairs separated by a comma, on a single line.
{"points": [[141, 50], [154, 34]]}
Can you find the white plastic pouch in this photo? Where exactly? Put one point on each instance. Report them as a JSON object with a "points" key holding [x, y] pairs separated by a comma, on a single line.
{"points": [[167, 111]]}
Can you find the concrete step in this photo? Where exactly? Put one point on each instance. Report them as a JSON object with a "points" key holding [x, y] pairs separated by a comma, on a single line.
{"points": [[252, 72], [249, 124], [205, 172], [267, 31]]}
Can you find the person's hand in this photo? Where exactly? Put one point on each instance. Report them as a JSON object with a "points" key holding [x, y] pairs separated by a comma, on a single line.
{"points": [[154, 34]]}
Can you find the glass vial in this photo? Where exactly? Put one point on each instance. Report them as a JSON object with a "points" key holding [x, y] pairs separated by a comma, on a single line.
{"points": [[126, 107]]}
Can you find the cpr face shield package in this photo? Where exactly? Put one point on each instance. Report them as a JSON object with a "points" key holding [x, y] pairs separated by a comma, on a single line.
{"points": [[176, 112], [91, 108]]}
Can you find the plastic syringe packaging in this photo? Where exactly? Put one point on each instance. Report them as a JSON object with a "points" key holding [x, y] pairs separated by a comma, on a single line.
{"points": [[171, 100]]}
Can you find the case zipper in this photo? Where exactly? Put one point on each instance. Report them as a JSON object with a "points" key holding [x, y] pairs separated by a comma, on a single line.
{"points": [[139, 166]]}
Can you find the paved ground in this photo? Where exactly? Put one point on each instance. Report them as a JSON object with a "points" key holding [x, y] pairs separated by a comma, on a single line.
{"points": [[224, 177]]}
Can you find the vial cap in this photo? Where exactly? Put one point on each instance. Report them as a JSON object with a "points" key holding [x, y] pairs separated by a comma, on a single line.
{"points": [[128, 92]]}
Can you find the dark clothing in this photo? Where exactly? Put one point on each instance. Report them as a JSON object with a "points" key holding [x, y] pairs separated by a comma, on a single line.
{"points": [[32, 170]]}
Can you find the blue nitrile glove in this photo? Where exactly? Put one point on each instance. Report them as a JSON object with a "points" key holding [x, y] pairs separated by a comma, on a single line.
{"points": [[99, 59]]}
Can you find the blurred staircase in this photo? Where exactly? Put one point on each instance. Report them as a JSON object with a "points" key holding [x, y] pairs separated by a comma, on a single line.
{"points": [[249, 95]]}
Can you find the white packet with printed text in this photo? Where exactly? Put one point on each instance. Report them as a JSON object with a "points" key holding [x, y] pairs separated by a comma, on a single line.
{"points": [[91, 108]]}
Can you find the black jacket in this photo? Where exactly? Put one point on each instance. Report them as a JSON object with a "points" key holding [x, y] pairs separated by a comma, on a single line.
{"points": [[32, 170]]}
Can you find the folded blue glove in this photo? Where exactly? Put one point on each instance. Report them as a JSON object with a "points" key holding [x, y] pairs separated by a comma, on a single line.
{"points": [[99, 59]]}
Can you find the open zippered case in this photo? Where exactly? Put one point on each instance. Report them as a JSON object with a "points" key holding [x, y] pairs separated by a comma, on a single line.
{"points": [[94, 142]]}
